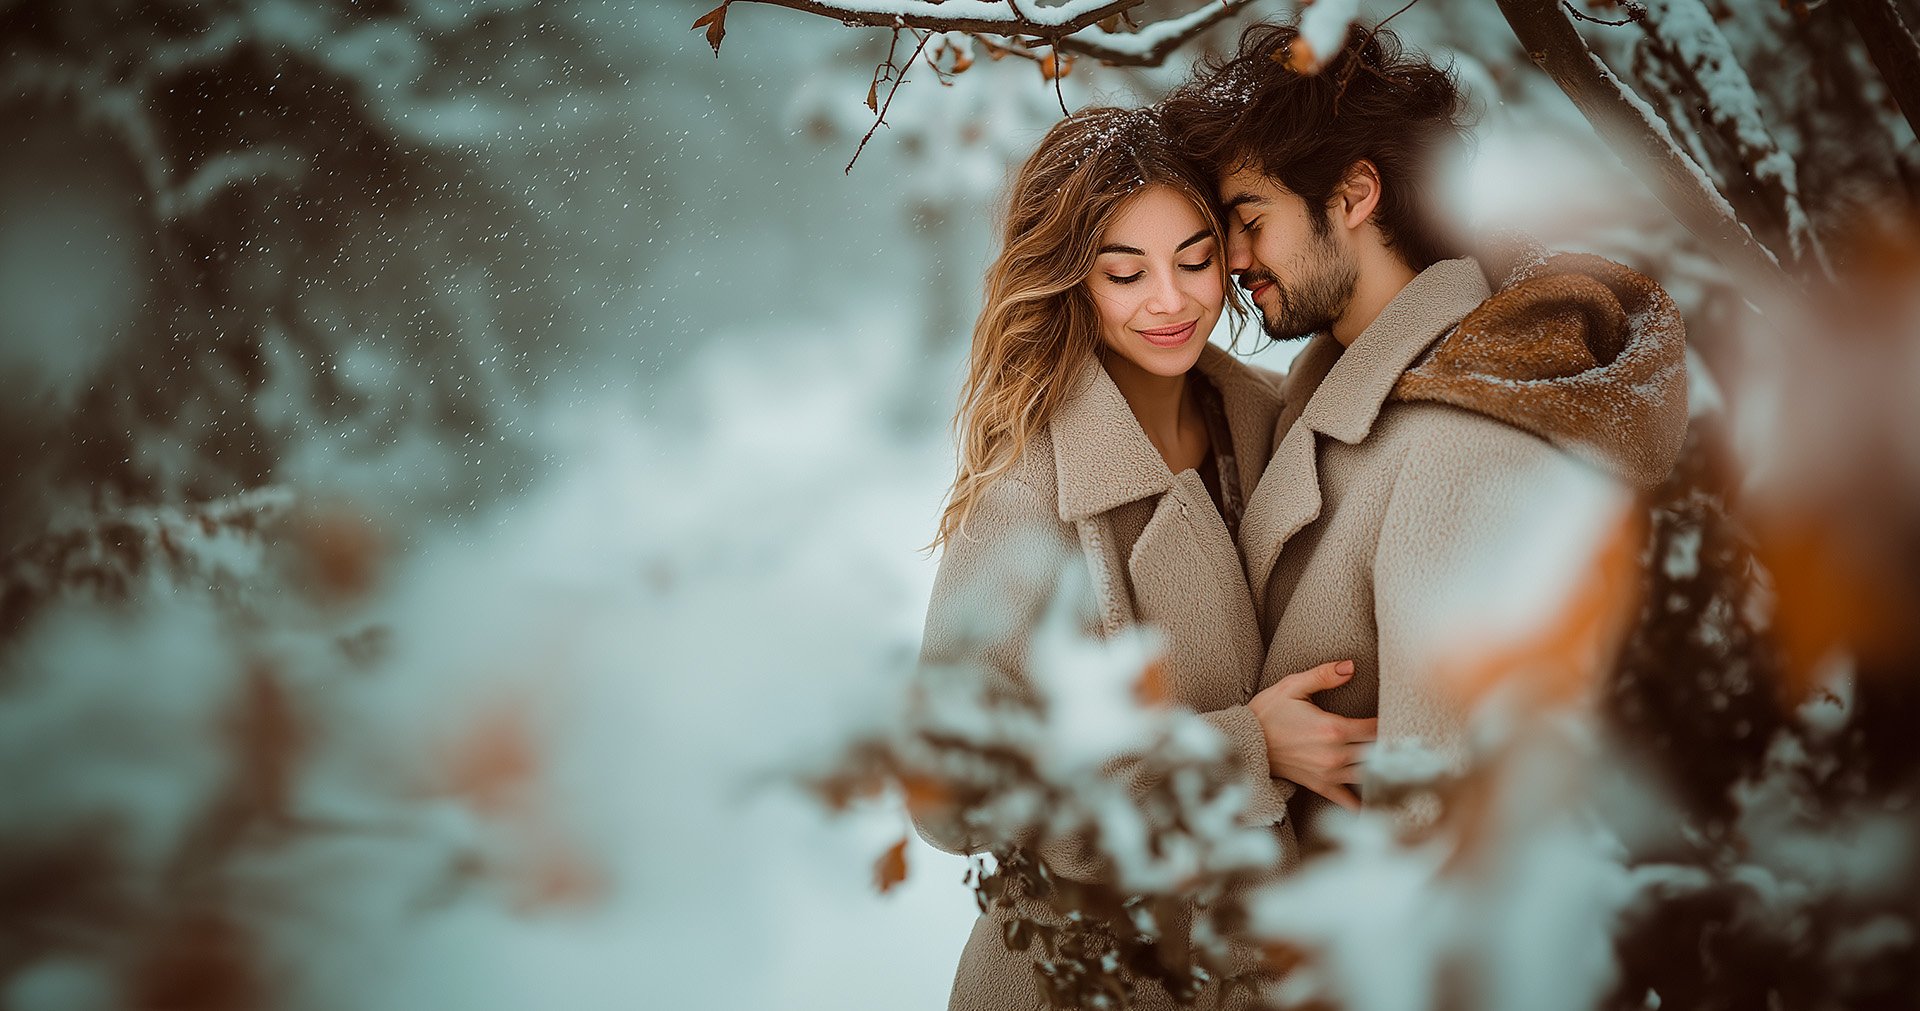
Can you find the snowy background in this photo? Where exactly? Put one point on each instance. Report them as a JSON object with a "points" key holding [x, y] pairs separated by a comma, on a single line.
{"points": [[462, 462]]}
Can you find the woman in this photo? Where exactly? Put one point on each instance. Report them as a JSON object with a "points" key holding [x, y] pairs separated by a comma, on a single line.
{"points": [[1099, 429]]}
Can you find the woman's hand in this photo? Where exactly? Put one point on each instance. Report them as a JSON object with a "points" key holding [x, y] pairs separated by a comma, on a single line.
{"points": [[1309, 745]]}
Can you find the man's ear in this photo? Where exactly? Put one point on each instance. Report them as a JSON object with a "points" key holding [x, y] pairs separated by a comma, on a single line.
{"points": [[1357, 195]]}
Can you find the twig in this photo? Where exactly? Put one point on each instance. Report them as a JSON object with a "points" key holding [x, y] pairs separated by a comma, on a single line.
{"points": [[1059, 71], [1635, 13], [899, 78], [927, 16], [1354, 65]]}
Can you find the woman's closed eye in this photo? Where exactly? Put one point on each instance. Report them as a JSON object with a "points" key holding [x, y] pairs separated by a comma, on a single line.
{"points": [[1206, 264]]}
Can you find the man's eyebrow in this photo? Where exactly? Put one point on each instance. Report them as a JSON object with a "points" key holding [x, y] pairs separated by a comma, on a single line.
{"points": [[1204, 233], [1243, 198]]}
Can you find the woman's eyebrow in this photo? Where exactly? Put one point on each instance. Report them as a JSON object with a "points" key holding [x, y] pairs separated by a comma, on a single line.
{"points": [[1204, 233]]}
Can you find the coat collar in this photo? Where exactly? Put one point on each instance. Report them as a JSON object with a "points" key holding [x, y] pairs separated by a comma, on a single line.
{"points": [[1346, 401], [1339, 393], [1103, 458]]}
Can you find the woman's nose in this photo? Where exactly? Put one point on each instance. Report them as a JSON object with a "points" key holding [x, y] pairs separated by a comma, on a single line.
{"points": [[1165, 296]]}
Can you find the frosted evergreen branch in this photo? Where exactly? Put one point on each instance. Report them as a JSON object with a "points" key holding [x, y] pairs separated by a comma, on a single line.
{"points": [[1629, 124], [1152, 44], [220, 541], [1684, 34], [1895, 50]]}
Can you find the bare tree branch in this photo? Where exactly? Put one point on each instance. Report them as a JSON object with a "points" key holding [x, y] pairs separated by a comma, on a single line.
{"points": [[1895, 50], [988, 16], [1629, 124]]}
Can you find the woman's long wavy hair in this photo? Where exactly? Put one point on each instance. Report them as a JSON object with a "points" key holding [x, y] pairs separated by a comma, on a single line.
{"points": [[1039, 324]]}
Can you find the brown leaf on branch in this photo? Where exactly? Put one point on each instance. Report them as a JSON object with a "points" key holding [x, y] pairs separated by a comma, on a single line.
{"points": [[715, 22], [1055, 65], [891, 868], [873, 96]]}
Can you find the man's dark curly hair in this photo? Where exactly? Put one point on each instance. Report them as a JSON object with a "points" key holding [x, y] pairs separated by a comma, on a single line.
{"points": [[1369, 100]]}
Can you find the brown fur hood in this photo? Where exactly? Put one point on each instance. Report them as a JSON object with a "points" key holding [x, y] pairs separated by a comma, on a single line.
{"points": [[1577, 349]]}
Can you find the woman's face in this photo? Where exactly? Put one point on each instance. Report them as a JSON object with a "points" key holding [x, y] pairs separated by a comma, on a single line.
{"points": [[1157, 282]]}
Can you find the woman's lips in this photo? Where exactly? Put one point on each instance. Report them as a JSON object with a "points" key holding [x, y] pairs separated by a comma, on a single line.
{"points": [[1171, 336]]}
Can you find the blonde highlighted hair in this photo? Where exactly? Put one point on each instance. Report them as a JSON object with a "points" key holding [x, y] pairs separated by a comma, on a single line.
{"points": [[1039, 324]]}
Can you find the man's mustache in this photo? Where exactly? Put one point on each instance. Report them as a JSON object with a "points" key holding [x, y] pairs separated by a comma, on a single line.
{"points": [[1250, 280]]}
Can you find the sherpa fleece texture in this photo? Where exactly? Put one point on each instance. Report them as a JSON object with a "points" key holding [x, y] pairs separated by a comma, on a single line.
{"points": [[1092, 496], [1391, 481]]}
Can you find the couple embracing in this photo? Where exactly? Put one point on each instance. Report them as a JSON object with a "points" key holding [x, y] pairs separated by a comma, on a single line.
{"points": [[1300, 542]]}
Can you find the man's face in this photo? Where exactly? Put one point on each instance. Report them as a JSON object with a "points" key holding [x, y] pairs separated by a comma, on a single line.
{"points": [[1286, 256]]}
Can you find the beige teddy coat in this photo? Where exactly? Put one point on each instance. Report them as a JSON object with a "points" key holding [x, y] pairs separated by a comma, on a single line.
{"points": [[1091, 490], [1397, 468]]}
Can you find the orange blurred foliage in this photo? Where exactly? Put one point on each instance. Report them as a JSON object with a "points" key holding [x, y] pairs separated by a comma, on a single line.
{"points": [[1557, 663], [1827, 600], [493, 763], [1150, 688], [339, 552]]}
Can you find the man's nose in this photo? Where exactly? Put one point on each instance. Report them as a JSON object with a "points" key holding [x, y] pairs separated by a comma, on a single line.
{"points": [[1239, 251]]}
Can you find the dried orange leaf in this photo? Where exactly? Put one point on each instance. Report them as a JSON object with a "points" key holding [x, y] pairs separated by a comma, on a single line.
{"points": [[891, 868], [715, 22], [1299, 57]]}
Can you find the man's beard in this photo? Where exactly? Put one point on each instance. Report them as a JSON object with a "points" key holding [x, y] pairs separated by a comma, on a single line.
{"points": [[1319, 295]]}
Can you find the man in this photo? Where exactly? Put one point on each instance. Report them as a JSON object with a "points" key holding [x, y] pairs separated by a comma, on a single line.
{"points": [[1428, 421]]}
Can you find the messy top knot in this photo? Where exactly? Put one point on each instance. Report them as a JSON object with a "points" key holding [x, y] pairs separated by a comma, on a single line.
{"points": [[1268, 108]]}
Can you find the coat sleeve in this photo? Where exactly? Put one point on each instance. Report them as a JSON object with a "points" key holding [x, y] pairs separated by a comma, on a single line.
{"points": [[1479, 527], [995, 579], [993, 585]]}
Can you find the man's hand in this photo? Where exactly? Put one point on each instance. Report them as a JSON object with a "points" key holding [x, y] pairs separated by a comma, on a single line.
{"points": [[1309, 745]]}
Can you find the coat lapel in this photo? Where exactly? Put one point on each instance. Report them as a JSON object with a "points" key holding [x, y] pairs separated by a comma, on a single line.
{"points": [[1338, 393], [1187, 582], [1101, 456]]}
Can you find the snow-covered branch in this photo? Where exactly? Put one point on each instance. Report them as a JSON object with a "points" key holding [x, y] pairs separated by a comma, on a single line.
{"points": [[1086, 27], [1548, 34], [1685, 36], [1150, 46]]}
